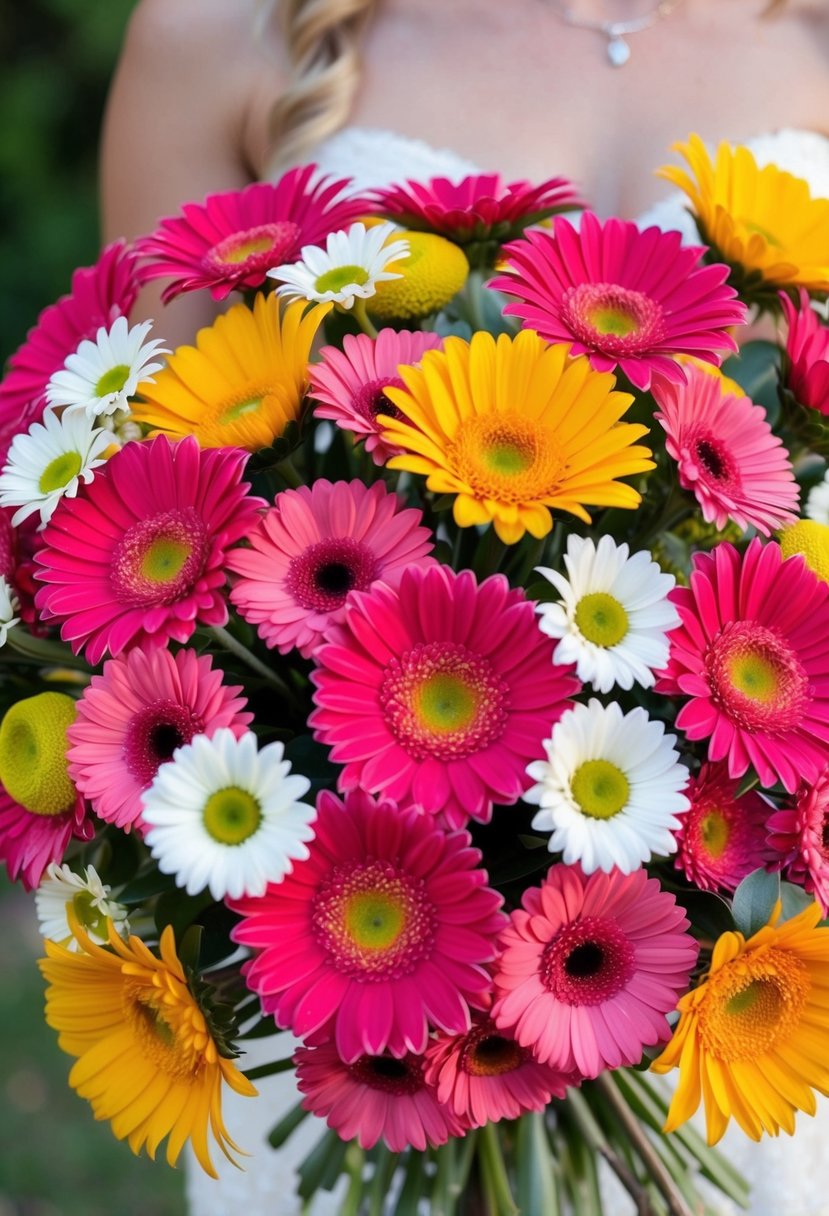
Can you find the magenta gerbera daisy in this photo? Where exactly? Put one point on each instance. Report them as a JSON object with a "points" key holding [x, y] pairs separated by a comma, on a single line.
{"points": [[752, 653], [230, 240], [800, 836], [627, 298], [439, 692], [383, 930], [722, 837], [138, 556], [98, 295], [377, 1097], [315, 546], [479, 208], [806, 371], [350, 384], [590, 966], [726, 453], [485, 1075], [132, 718]]}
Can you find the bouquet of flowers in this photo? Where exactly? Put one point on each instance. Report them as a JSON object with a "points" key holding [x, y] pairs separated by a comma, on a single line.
{"points": [[433, 661]]}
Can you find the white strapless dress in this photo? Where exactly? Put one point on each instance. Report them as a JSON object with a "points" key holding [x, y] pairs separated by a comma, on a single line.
{"points": [[789, 1175]]}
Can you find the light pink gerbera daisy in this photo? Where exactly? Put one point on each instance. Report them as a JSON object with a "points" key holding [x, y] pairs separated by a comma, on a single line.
{"points": [[752, 653], [590, 966], [132, 718], [377, 1097], [230, 240], [350, 384], [99, 294], [627, 298], [726, 453], [315, 546], [439, 692], [138, 557], [383, 930], [722, 837], [478, 208], [806, 371], [800, 836], [485, 1075]]}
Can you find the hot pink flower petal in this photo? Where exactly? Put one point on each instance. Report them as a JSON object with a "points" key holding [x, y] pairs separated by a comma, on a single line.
{"points": [[723, 837], [30, 842], [806, 370], [800, 836]]}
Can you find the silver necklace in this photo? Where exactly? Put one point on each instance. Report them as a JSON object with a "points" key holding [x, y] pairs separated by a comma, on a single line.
{"points": [[618, 51]]}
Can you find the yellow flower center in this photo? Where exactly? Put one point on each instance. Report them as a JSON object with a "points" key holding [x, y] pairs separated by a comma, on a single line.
{"points": [[446, 702], [164, 559], [374, 919], [715, 832], [231, 815], [609, 320], [811, 539], [33, 747], [166, 1025], [112, 380], [59, 472], [600, 788], [506, 458], [754, 675], [752, 1002], [340, 277], [234, 410], [601, 619]]}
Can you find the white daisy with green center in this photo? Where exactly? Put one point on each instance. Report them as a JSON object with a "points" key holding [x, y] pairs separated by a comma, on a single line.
{"points": [[610, 789], [49, 462], [225, 816], [8, 607], [353, 262], [88, 897], [102, 374], [613, 615]]}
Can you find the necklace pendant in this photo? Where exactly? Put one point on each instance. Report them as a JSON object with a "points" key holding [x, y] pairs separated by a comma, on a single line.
{"points": [[618, 51]]}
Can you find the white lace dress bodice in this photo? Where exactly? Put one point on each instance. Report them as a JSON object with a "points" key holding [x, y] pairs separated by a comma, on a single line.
{"points": [[789, 1176]]}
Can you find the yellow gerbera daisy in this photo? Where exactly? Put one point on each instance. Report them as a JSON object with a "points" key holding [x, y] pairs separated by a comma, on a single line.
{"points": [[513, 427], [753, 1039], [242, 383], [434, 272], [764, 221], [146, 1059]]}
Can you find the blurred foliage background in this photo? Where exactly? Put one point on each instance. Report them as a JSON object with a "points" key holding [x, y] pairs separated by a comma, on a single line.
{"points": [[56, 60]]}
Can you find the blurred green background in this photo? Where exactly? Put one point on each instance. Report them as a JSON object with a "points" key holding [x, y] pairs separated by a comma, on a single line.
{"points": [[56, 60]]}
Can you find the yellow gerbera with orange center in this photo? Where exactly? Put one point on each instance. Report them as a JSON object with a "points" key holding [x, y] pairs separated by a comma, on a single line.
{"points": [[146, 1059], [753, 1039], [762, 220], [242, 383], [514, 427]]}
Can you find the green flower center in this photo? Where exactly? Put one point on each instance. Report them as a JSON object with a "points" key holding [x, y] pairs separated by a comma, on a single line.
{"points": [[238, 408], [59, 472], [600, 789], [760, 996], [164, 559], [755, 676], [340, 277], [610, 320], [715, 832], [33, 746], [231, 815], [509, 458], [113, 381], [601, 619], [767, 236], [446, 703], [374, 920], [90, 916]]}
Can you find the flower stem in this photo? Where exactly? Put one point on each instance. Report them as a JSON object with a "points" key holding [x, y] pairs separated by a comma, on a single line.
{"points": [[361, 317], [496, 1180], [228, 642], [268, 1070]]}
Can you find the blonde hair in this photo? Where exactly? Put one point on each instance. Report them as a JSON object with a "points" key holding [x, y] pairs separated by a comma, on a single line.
{"points": [[323, 43]]}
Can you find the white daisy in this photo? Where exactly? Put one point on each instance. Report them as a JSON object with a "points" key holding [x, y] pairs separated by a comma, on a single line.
{"points": [[8, 607], [49, 462], [613, 615], [610, 789], [103, 374], [353, 262], [225, 816], [817, 504], [89, 898]]}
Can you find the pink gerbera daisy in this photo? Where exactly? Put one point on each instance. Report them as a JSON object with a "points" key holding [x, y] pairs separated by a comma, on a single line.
{"points": [[722, 837], [315, 546], [350, 384], [485, 1075], [625, 297], [29, 842], [377, 1097], [752, 653], [590, 966], [479, 208], [439, 692], [800, 835], [807, 354], [132, 718], [99, 294], [230, 240], [726, 453], [384, 929], [138, 557]]}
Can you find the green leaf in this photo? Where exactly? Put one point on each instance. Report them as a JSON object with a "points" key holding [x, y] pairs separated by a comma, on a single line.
{"points": [[753, 901], [536, 1184], [709, 914], [794, 900], [286, 1126], [323, 1165], [756, 371]]}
